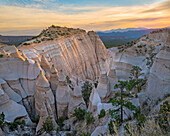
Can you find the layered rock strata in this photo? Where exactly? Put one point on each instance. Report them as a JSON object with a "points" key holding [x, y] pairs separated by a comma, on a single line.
{"points": [[77, 54]]}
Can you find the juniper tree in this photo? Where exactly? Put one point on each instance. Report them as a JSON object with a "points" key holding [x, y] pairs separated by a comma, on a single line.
{"points": [[118, 100], [135, 81]]}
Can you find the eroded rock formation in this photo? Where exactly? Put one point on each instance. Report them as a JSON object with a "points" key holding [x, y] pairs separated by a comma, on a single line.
{"points": [[80, 53], [44, 101]]}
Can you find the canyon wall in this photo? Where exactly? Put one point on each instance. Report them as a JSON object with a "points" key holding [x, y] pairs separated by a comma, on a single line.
{"points": [[79, 54]]}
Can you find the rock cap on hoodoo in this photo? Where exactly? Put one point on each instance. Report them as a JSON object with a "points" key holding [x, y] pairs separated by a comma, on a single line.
{"points": [[44, 63]]}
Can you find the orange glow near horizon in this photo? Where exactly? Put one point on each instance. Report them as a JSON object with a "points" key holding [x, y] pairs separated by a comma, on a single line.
{"points": [[22, 20]]}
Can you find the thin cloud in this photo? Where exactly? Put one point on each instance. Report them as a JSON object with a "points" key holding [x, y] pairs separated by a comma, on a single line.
{"points": [[14, 18], [161, 7]]}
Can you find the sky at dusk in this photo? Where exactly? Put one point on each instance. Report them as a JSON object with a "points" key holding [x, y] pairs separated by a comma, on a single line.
{"points": [[29, 17]]}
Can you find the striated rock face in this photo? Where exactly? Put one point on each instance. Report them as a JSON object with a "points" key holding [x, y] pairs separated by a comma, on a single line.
{"points": [[44, 63], [155, 69], [76, 100], [44, 101], [159, 78], [77, 54], [62, 96]]}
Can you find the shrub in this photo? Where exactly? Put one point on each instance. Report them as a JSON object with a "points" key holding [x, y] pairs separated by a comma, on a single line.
{"points": [[36, 119], [140, 118], [84, 134], [60, 122], [68, 134], [89, 118], [13, 126], [163, 115], [149, 129], [139, 46], [26, 44], [102, 114], [48, 125], [1, 55], [53, 26], [2, 120], [86, 91], [96, 84], [28, 39], [68, 80], [79, 113], [113, 128]]}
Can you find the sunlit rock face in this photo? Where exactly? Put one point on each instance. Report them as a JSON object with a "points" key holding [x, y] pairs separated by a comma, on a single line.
{"points": [[44, 101], [159, 78], [77, 54]]}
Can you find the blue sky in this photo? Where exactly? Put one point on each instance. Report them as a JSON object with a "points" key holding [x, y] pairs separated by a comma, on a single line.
{"points": [[56, 4], [29, 17]]}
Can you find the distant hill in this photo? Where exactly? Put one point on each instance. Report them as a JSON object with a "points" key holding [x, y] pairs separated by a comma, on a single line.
{"points": [[10, 40], [116, 37]]}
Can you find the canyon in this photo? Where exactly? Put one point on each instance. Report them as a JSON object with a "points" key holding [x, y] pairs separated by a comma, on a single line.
{"points": [[44, 77]]}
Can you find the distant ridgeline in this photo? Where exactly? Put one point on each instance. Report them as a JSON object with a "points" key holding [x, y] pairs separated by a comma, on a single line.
{"points": [[122, 36], [16, 40]]}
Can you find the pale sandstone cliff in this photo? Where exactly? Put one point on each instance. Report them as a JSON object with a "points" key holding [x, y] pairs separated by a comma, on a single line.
{"points": [[78, 53], [126, 56], [40, 88]]}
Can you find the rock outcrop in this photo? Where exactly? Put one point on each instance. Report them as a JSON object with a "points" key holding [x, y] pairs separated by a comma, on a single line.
{"points": [[53, 79], [11, 108], [103, 87], [159, 77], [112, 76], [44, 101], [62, 96], [76, 100], [79, 53], [94, 101]]}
